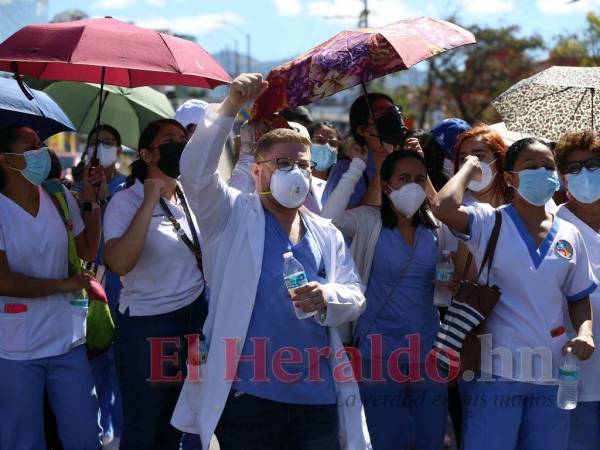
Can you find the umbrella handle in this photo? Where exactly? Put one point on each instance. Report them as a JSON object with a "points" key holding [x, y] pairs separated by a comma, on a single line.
{"points": [[15, 68]]}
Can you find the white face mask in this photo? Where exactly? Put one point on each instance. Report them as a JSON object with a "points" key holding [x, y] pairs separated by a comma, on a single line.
{"points": [[107, 154], [486, 178], [408, 199], [290, 188], [448, 168]]}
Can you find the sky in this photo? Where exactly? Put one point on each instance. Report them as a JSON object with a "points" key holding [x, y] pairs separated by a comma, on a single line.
{"points": [[282, 29]]}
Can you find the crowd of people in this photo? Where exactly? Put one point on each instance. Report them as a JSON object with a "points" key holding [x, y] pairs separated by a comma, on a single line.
{"points": [[217, 335]]}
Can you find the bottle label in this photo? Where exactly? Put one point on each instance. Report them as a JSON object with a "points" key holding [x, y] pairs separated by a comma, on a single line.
{"points": [[295, 280], [444, 275], [80, 302], [568, 374]]}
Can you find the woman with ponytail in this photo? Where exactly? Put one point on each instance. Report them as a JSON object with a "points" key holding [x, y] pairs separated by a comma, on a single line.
{"points": [[152, 243]]}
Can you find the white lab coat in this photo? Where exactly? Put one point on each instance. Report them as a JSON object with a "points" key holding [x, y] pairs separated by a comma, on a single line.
{"points": [[233, 227]]}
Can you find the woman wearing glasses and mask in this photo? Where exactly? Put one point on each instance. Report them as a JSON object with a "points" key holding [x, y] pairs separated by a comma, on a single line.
{"points": [[578, 161], [152, 242], [541, 267], [42, 315], [326, 141]]}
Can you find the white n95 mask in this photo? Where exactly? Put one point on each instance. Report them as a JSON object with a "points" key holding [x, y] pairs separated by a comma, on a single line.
{"points": [[408, 199], [290, 188], [107, 154], [486, 178]]}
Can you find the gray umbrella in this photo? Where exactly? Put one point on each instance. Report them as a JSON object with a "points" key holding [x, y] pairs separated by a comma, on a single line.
{"points": [[554, 101]]}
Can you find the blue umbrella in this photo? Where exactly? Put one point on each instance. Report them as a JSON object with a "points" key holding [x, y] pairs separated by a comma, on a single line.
{"points": [[41, 113]]}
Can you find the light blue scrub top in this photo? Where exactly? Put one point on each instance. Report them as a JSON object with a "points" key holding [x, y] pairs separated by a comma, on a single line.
{"points": [[410, 308], [273, 317]]}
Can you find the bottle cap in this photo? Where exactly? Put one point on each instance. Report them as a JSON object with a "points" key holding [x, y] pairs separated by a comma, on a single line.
{"points": [[288, 255]]}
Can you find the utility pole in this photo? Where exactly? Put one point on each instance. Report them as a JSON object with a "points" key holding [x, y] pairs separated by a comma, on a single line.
{"points": [[363, 18]]}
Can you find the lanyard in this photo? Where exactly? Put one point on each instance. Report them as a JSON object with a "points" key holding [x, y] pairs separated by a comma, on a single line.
{"points": [[195, 245]]}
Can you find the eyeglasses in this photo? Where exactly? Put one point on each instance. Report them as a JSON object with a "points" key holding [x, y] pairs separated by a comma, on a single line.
{"points": [[288, 164], [575, 167], [319, 139]]}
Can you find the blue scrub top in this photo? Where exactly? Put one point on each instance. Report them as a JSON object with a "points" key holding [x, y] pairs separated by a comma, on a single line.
{"points": [[340, 168], [410, 309], [273, 317]]}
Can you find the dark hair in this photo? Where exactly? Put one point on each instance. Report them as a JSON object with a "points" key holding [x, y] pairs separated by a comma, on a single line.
{"points": [[139, 170], [315, 126], [587, 140], [434, 156], [55, 166], [359, 113], [298, 114], [515, 150], [8, 136], [388, 216], [109, 129]]}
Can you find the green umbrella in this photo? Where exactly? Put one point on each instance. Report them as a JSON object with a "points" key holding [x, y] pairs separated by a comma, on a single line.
{"points": [[128, 110]]}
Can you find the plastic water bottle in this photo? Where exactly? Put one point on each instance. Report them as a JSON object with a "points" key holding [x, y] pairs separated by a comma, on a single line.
{"points": [[444, 272], [568, 378], [294, 276]]}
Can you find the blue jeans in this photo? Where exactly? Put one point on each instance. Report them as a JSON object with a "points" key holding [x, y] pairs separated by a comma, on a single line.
{"points": [[584, 433], [148, 404], [253, 423], [68, 382], [506, 415], [403, 414]]}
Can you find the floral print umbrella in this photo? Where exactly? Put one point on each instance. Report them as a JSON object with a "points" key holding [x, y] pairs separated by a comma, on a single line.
{"points": [[357, 56], [552, 102]]}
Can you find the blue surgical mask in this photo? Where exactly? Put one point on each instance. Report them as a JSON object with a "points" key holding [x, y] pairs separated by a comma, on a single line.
{"points": [[585, 185], [37, 165], [323, 155], [537, 186]]}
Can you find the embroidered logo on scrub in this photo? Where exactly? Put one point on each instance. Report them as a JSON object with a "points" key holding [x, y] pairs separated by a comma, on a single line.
{"points": [[564, 249]]}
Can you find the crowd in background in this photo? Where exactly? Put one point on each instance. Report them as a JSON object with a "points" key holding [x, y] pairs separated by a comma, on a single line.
{"points": [[369, 215]]}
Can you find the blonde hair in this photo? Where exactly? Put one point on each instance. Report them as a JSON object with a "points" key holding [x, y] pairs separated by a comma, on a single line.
{"points": [[278, 136]]}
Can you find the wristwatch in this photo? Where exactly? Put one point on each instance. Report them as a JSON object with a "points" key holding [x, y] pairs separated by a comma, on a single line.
{"points": [[91, 206], [88, 206]]}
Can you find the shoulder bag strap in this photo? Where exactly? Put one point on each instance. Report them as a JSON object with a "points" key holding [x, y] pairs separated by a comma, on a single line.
{"points": [[56, 192], [193, 246], [490, 250]]}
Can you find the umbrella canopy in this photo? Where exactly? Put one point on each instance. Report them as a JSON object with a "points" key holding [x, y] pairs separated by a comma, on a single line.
{"points": [[357, 56], [554, 101], [41, 113], [132, 56], [128, 110]]}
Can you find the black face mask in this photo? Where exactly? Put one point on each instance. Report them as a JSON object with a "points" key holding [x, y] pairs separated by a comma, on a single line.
{"points": [[170, 155], [391, 127]]}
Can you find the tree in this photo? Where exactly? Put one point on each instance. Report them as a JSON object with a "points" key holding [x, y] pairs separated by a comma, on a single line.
{"points": [[472, 76], [579, 50]]}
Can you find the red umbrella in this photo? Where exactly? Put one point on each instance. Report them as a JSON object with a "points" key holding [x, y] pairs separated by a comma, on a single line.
{"points": [[353, 57], [130, 56], [108, 51]]}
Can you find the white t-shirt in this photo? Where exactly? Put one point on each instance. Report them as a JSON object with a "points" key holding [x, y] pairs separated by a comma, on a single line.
{"points": [[589, 386], [536, 284], [166, 277], [37, 247]]}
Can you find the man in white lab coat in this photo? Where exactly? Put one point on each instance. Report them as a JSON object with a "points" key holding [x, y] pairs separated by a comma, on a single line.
{"points": [[294, 387]]}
